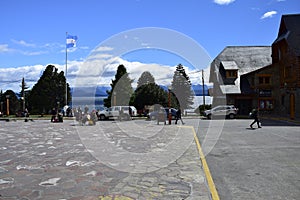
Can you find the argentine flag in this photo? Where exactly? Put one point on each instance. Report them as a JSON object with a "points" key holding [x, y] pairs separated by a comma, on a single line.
{"points": [[71, 41]]}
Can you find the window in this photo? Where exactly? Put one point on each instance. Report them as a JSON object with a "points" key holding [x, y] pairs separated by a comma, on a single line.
{"points": [[282, 100], [231, 74], [264, 79], [266, 104], [287, 72]]}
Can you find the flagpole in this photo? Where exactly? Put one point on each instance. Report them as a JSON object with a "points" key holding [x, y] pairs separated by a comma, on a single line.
{"points": [[66, 71]]}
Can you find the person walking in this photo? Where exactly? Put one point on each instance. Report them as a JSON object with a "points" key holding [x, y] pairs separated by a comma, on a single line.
{"points": [[53, 115], [254, 115], [178, 116]]}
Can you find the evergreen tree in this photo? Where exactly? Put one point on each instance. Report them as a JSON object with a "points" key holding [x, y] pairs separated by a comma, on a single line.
{"points": [[13, 102], [182, 88], [145, 78], [121, 89], [49, 91], [150, 94], [23, 94]]}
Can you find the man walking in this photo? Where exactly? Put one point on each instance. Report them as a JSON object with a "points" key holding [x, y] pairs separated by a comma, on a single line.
{"points": [[254, 115], [178, 116]]}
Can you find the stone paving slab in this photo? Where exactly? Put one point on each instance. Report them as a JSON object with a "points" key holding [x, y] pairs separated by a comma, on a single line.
{"points": [[111, 160]]}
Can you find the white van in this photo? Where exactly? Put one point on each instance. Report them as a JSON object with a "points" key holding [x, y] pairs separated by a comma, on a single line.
{"points": [[114, 111]]}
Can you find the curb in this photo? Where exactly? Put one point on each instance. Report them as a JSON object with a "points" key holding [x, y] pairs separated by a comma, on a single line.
{"points": [[212, 188]]}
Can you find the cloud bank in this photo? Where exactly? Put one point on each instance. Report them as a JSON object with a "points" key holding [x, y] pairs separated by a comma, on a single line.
{"points": [[95, 72]]}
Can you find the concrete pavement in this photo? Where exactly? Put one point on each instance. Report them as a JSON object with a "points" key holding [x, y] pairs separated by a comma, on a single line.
{"points": [[112, 160]]}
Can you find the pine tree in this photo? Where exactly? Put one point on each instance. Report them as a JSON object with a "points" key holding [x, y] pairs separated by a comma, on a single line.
{"points": [[49, 91], [145, 78], [23, 93], [182, 88], [121, 89]]}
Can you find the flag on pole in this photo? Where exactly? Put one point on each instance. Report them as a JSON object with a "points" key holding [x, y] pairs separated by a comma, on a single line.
{"points": [[71, 41]]}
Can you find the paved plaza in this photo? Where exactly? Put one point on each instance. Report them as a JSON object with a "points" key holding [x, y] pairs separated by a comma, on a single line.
{"points": [[112, 160]]}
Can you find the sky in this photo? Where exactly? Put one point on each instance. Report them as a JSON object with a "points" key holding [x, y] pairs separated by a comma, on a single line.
{"points": [[144, 35]]}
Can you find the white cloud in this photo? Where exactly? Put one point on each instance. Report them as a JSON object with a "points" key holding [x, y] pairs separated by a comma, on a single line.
{"points": [[223, 2], [269, 14], [4, 48], [33, 53], [94, 72], [102, 48], [23, 43]]}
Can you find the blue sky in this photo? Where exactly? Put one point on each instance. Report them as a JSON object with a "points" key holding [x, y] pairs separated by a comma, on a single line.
{"points": [[33, 32]]}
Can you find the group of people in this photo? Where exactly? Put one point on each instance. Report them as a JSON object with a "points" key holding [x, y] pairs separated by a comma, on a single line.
{"points": [[56, 116], [85, 117]]}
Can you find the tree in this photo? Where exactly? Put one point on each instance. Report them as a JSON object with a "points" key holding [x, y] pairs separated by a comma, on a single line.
{"points": [[49, 91], [150, 94], [13, 102], [23, 93], [182, 88], [121, 89], [145, 78]]}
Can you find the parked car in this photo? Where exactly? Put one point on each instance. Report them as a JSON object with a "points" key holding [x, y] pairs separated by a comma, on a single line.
{"points": [[153, 115], [228, 111], [114, 111]]}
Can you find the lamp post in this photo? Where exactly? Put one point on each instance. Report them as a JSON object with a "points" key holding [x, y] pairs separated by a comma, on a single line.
{"points": [[7, 104], [23, 105], [169, 104], [203, 92], [1, 107], [115, 98]]}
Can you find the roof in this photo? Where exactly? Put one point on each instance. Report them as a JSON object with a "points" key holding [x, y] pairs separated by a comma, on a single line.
{"points": [[230, 89], [289, 30], [229, 65], [244, 58]]}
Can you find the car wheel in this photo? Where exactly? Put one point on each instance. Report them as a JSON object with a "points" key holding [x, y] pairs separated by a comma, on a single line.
{"points": [[102, 117], [126, 117], [209, 116], [231, 116]]}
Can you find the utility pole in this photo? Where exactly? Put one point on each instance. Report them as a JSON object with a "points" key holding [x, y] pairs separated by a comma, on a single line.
{"points": [[203, 92]]}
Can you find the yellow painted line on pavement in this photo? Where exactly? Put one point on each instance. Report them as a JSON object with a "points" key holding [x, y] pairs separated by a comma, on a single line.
{"points": [[211, 184]]}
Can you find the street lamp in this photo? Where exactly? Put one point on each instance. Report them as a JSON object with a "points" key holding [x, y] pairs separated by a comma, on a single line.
{"points": [[169, 104], [1, 106], [7, 104], [115, 98]]}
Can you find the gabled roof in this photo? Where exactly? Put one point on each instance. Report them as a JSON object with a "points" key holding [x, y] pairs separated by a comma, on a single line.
{"points": [[289, 30], [229, 65], [246, 59]]}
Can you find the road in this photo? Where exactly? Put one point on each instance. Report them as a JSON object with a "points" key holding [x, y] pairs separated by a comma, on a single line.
{"points": [[254, 163]]}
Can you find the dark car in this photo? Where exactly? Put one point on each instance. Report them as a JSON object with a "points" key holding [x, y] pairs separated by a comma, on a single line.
{"points": [[153, 115]]}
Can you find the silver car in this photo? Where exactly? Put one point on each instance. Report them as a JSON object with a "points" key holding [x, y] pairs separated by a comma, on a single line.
{"points": [[229, 111]]}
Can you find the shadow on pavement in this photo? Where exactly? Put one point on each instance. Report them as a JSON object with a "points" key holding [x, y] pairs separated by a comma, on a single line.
{"points": [[271, 122]]}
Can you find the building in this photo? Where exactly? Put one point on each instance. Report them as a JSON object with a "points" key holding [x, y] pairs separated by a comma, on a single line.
{"points": [[260, 88], [286, 62], [260, 76], [227, 69]]}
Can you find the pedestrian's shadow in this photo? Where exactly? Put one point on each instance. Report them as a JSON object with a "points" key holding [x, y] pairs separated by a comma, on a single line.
{"points": [[250, 129]]}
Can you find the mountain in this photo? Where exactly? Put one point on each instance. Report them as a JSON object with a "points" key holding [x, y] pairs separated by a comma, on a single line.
{"points": [[100, 91]]}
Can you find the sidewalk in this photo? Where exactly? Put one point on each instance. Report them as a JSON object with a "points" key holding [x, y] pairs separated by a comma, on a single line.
{"points": [[127, 160]]}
